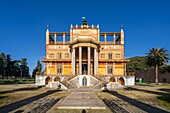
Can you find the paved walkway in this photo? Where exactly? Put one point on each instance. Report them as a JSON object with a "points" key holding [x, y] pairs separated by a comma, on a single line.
{"points": [[82, 99]]}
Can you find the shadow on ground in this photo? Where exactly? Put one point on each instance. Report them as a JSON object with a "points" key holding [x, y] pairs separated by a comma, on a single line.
{"points": [[165, 90], [145, 85], [16, 105], [20, 89], [114, 107], [45, 107], [165, 97], [141, 105], [146, 91]]}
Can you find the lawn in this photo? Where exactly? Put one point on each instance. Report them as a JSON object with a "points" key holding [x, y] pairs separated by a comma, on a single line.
{"points": [[17, 81], [164, 99], [150, 94], [2, 96]]}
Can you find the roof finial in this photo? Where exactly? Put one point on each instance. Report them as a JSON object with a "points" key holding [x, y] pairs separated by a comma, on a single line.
{"points": [[84, 21], [83, 17], [47, 27], [121, 28]]}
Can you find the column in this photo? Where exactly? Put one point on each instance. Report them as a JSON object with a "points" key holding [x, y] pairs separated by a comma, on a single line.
{"points": [[64, 38], [47, 37], [105, 40], [80, 60], [94, 61], [55, 38], [125, 69], [106, 70], [114, 39], [73, 61], [62, 69], [55, 68], [88, 61]]}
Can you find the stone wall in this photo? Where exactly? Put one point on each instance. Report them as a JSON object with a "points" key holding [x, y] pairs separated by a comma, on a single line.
{"points": [[149, 76]]}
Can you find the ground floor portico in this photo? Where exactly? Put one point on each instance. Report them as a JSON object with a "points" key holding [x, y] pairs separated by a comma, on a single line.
{"points": [[87, 81], [87, 60]]}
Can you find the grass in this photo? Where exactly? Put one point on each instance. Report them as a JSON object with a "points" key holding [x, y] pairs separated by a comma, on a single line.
{"points": [[17, 81], [152, 83], [164, 99], [2, 96]]}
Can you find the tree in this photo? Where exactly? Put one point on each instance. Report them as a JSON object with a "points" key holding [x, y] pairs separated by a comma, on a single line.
{"points": [[16, 71], [165, 69], [1, 67], [157, 57], [2, 55], [12, 68], [38, 68], [24, 70], [2, 63], [8, 66], [137, 63]]}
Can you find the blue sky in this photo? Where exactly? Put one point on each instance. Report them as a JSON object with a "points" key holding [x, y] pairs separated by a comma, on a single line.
{"points": [[23, 23]]}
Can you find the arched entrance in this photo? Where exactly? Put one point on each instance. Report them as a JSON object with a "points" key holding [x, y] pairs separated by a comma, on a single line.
{"points": [[112, 79], [57, 79], [84, 81], [47, 80], [121, 81]]}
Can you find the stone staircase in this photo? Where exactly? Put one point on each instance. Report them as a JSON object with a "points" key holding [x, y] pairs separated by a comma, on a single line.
{"points": [[101, 84], [66, 82], [75, 81]]}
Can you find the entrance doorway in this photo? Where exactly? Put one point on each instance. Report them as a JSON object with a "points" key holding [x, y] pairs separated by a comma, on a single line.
{"points": [[84, 81], [84, 69]]}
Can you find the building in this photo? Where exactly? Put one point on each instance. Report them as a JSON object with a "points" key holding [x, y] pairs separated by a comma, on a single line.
{"points": [[79, 58]]}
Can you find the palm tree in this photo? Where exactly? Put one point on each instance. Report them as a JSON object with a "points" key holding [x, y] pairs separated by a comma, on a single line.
{"points": [[157, 57]]}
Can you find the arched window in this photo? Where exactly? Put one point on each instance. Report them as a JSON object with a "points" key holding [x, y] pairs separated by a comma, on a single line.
{"points": [[112, 79], [57, 79], [121, 81], [47, 80], [84, 81]]}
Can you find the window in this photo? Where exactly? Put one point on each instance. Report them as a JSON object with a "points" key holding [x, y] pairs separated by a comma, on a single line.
{"points": [[102, 55], [110, 55], [66, 55], [59, 56], [109, 69], [51, 55], [59, 70], [117, 55]]}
